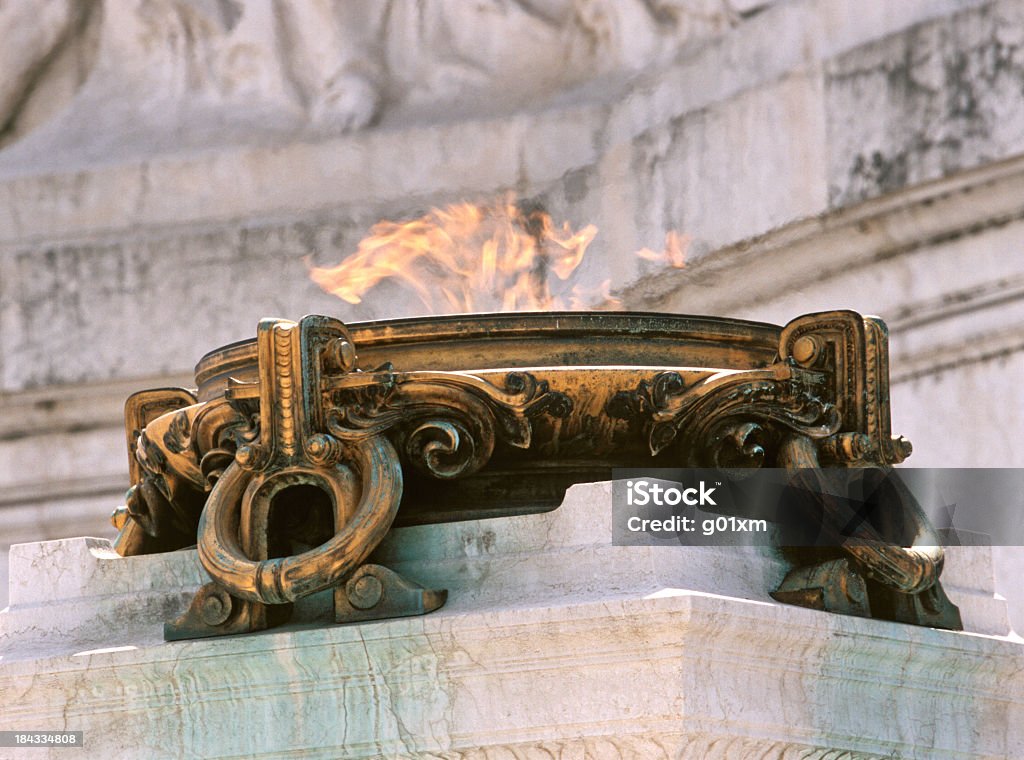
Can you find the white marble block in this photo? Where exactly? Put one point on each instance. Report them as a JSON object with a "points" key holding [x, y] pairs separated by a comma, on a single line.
{"points": [[553, 644]]}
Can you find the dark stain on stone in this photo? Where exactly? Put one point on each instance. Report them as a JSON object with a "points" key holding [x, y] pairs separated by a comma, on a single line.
{"points": [[961, 100], [230, 12], [882, 172], [941, 86], [575, 183]]}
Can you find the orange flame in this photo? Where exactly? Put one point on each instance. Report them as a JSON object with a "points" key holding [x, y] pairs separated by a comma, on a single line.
{"points": [[496, 257], [674, 253], [465, 258]]}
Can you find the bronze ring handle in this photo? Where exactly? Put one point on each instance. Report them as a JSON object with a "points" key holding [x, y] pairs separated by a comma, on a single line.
{"points": [[284, 579]]}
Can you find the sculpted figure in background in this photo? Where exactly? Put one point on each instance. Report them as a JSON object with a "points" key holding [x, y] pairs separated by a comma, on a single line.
{"points": [[31, 34], [113, 75]]}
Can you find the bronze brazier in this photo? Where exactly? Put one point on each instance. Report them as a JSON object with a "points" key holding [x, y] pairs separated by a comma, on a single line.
{"points": [[298, 451]]}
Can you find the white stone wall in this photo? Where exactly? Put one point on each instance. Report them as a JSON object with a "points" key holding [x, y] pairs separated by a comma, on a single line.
{"points": [[818, 153]]}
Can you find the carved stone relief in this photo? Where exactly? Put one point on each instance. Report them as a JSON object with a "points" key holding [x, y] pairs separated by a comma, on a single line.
{"points": [[177, 73]]}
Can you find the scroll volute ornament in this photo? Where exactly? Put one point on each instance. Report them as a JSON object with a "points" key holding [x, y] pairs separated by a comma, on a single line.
{"points": [[854, 352]]}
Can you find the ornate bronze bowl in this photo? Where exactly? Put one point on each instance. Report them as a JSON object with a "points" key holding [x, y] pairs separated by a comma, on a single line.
{"points": [[300, 449], [560, 372]]}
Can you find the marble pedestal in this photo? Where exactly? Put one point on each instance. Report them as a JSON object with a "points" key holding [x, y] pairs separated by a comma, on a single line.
{"points": [[553, 644]]}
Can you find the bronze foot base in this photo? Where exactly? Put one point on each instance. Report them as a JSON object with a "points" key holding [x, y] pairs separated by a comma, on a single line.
{"points": [[831, 586], [214, 612], [834, 586], [930, 608], [374, 593]]}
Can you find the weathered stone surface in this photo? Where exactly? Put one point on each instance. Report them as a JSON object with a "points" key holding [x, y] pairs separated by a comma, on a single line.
{"points": [[943, 96], [669, 676]]}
